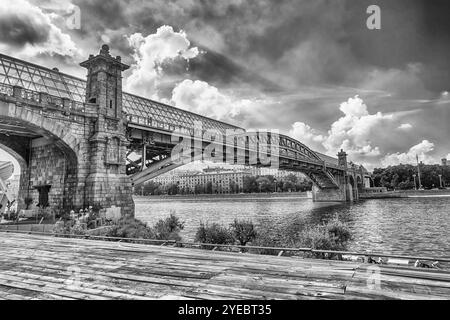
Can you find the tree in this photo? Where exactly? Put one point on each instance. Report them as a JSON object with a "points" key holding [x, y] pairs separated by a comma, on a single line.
{"points": [[401, 176], [209, 187], [243, 231], [234, 187], [199, 189], [173, 189], [250, 184], [149, 188], [266, 183]]}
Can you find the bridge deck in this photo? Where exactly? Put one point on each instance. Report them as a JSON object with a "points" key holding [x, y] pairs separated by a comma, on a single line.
{"points": [[43, 267]]}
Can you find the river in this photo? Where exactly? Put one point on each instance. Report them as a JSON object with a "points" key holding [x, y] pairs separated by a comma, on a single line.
{"points": [[409, 226]]}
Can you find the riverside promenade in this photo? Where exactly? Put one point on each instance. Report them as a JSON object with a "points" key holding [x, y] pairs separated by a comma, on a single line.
{"points": [[47, 267]]}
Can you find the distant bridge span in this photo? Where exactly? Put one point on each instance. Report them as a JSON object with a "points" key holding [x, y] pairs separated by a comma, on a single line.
{"points": [[75, 139]]}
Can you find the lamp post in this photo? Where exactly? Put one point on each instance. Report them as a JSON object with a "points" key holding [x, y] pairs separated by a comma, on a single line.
{"points": [[418, 172], [276, 187], [440, 180], [415, 185]]}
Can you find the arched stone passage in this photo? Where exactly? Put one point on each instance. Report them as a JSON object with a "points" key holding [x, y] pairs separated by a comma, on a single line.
{"points": [[47, 154], [7, 144]]}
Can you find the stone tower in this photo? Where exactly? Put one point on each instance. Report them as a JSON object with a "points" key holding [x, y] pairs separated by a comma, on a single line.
{"points": [[444, 162], [106, 183], [342, 158]]}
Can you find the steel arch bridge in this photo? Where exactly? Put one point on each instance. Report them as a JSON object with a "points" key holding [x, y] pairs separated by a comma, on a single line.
{"points": [[92, 128]]}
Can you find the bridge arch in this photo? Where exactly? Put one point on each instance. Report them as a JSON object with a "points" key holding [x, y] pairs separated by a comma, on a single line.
{"points": [[7, 146], [47, 153]]}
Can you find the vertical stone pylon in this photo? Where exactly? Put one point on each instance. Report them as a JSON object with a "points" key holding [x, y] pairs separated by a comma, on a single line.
{"points": [[106, 181]]}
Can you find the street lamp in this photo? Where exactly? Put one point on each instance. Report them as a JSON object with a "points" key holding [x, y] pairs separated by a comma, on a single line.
{"points": [[415, 185]]}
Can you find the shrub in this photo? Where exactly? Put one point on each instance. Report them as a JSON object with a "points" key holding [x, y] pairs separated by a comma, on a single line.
{"points": [[265, 239], [332, 236], [213, 233], [243, 231], [78, 229], [169, 228], [340, 232], [128, 227]]}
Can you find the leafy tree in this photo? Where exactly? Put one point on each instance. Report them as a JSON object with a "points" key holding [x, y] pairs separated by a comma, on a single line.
{"points": [[173, 189], [199, 189], [234, 187], [401, 176], [168, 229], [250, 184], [209, 187], [243, 231], [213, 233]]}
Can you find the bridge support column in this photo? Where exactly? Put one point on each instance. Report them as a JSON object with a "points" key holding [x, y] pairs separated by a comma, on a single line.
{"points": [[106, 183], [331, 195], [347, 190]]}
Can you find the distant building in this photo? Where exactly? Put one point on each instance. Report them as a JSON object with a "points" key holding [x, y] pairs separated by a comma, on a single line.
{"points": [[6, 170], [12, 187], [220, 182], [444, 162]]}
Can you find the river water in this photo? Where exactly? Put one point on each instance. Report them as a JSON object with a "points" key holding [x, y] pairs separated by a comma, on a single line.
{"points": [[409, 226]]}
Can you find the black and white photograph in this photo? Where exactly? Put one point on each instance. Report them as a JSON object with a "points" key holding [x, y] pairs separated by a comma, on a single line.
{"points": [[185, 151]]}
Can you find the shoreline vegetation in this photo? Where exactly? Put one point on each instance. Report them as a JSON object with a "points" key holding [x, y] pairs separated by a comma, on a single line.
{"points": [[332, 235]]}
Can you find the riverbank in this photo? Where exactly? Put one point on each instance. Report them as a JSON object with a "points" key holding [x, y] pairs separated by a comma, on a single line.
{"points": [[209, 197], [406, 194]]}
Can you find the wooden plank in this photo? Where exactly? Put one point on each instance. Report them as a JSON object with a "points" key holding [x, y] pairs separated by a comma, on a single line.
{"points": [[38, 267]]}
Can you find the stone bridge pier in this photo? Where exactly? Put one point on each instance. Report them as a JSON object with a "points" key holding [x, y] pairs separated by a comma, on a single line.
{"points": [[71, 156], [350, 183]]}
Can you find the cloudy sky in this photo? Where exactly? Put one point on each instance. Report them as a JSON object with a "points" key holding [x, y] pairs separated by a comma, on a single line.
{"points": [[310, 68]]}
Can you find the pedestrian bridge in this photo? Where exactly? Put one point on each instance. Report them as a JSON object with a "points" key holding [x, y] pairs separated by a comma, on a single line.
{"points": [[86, 142]]}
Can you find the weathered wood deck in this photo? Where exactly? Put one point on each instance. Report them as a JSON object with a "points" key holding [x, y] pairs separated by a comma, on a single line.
{"points": [[43, 267]]}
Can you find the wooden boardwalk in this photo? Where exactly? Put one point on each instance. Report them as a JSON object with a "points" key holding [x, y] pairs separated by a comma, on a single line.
{"points": [[44, 267]]}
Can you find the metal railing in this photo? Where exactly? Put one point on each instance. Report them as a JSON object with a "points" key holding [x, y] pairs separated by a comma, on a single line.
{"points": [[42, 98], [280, 250]]}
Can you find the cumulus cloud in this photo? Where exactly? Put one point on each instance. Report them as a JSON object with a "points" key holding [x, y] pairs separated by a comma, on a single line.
{"points": [[356, 130], [202, 98], [363, 135], [421, 150], [307, 135], [151, 52], [27, 31], [405, 126]]}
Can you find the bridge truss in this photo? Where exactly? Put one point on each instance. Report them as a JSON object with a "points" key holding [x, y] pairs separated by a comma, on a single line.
{"points": [[147, 119]]}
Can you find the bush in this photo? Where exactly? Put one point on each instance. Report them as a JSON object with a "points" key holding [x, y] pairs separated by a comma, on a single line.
{"points": [[332, 236], [264, 239], [243, 231], [169, 228], [214, 233], [340, 232], [164, 229], [128, 227]]}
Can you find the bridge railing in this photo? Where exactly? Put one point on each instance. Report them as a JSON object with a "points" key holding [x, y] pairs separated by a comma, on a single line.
{"points": [[42, 98]]}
